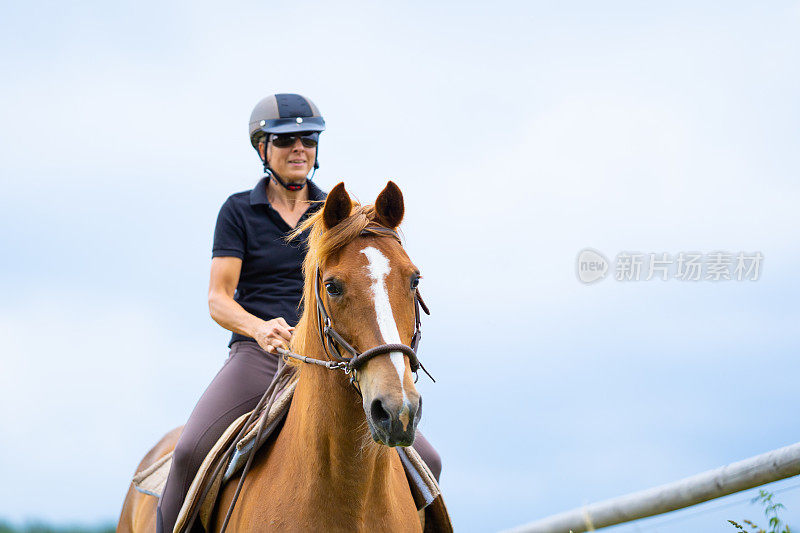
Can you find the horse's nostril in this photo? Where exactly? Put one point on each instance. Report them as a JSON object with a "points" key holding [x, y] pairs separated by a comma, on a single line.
{"points": [[378, 413]]}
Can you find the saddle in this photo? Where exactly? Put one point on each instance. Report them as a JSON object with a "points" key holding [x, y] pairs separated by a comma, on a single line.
{"points": [[151, 480]]}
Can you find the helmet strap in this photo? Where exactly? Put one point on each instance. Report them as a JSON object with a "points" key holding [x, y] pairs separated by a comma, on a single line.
{"points": [[293, 187]]}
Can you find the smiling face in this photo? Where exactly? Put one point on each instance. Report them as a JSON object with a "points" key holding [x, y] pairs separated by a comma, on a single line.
{"points": [[292, 163]]}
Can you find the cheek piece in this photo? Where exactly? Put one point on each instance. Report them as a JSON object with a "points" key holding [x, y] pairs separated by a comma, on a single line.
{"points": [[268, 171]]}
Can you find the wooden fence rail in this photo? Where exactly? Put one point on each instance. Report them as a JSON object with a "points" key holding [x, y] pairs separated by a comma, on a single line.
{"points": [[735, 477]]}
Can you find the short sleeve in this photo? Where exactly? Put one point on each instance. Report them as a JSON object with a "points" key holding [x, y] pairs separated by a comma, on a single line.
{"points": [[229, 234]]}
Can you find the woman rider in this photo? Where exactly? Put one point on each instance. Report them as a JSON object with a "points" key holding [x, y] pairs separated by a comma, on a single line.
{"points": [[256, 285]]}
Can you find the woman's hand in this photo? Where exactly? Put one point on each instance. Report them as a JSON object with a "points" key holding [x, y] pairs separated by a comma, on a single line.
{"points": [[274, 333]]}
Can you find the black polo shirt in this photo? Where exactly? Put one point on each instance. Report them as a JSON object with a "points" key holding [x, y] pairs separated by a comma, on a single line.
{"points": [[271, 281]]}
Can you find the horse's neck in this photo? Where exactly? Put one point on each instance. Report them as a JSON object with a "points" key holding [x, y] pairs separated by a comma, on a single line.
{"points": [[333, 439]]}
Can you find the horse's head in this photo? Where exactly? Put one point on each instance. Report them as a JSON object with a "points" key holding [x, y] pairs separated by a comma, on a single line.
{"points": [[366, 284]]}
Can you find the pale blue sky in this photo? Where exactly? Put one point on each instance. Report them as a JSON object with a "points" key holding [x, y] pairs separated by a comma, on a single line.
{"points": [[520, 134]]}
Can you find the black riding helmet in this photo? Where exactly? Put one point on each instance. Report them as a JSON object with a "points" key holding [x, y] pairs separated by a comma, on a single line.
{"points": [[284, 113]]}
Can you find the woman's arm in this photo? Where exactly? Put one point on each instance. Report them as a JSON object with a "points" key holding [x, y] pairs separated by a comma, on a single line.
{"points": [[226, 312]]}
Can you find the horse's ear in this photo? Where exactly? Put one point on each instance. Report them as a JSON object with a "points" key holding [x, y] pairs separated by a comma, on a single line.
{"points": [[389, 206], [337, 206]]}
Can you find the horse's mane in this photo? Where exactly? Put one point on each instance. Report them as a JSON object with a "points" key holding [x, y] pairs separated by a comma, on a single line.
{"points": [[322, 243]]}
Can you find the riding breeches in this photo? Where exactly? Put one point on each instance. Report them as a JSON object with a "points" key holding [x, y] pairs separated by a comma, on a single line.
{"points": [[234, 391]]}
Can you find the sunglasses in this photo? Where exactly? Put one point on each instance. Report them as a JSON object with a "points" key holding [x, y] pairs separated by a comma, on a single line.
{"points": [[286, 140]]}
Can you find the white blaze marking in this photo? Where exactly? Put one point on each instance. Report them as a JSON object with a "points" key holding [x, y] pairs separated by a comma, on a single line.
{"points": [[378, 270]]}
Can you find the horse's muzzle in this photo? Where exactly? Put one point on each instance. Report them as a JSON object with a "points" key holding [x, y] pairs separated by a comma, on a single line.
{"points": [[394, 423]]}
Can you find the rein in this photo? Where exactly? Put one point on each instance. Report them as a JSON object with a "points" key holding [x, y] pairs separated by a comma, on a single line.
{"points": [[330, 338]]}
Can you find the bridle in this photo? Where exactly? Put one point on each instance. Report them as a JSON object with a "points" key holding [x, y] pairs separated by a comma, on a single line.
{"points": [[333, 343]]}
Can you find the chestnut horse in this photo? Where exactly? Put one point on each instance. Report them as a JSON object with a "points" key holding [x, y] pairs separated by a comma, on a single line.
{"points": [[323, 472]]}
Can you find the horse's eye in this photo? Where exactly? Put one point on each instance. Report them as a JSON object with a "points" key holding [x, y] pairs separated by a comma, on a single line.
{"points": [[333, 288], [414, 282]]}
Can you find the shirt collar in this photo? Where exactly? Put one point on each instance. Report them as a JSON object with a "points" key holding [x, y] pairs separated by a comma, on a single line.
{"points": [[259, 193], [258, 196]]}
